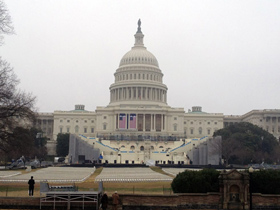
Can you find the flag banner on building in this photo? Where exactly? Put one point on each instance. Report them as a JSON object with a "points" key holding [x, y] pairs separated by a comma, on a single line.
{"points": [[132, 121], [122, 121]]}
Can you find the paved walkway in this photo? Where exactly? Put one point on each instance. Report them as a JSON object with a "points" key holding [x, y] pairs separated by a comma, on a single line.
{"points": [[51, 174], [131, 175]]}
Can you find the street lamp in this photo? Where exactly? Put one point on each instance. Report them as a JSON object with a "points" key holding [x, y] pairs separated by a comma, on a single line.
{"points": [[251, 170]]}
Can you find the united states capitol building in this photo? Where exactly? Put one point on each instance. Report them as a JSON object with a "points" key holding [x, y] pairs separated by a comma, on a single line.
{"points": [[138, 111]]}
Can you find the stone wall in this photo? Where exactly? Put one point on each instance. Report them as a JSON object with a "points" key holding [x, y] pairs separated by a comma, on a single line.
{"points": [[198, 201], [170, 202]]}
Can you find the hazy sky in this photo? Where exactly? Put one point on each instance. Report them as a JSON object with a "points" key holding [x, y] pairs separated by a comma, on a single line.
{"points": [[221, 55]]}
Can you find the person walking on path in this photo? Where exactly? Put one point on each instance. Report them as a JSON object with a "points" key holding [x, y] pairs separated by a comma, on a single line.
{"points": [[116, 199], [104, 201], [31, 183]]}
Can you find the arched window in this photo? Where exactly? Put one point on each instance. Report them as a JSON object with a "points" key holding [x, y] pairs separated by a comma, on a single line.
{"points": [[132, 148], [200, 130], [142, 148], [77, 129]]}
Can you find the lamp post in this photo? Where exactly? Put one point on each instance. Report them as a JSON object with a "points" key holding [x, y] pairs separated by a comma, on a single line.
{"points": [[251, 170]]}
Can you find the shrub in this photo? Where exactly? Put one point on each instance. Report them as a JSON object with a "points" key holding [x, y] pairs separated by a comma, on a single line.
{"points": [[202, 181]]}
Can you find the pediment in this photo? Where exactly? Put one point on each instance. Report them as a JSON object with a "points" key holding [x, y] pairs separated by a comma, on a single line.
{"points": [[233, 174]]}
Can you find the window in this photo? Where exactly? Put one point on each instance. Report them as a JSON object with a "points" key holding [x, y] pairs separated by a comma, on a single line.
{"points": [[85, 121], [191, 123], [185, 122], [104, 117], [200, 131], [104, 127], [68, 121], [92, 121], [142, 148], [68, 130], [92, 130], [175, 127], [77, 129], [216, 123], [191, 131], [60, 129], [60, 121], [132, 148], [175, 118], [208, 123], [85, 130], [77, 121], [208, 131]]}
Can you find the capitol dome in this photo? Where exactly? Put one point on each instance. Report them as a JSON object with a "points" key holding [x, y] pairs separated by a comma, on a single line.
{"points": [[138, 79], [138, 55]]}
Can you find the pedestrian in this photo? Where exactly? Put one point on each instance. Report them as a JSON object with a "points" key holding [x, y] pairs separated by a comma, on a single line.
{"points": [[104, 201], [31, 183], [116, 199]]}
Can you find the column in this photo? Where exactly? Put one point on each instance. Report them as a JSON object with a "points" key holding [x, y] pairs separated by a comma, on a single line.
{"points": [[117, 119], [144, 122], [162, 122], [120, 93], [128, 120], [146, 92], [154, 123], [151, 123], [165, 118]]}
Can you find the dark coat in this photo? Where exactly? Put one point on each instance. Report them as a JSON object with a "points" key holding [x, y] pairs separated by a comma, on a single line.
{"points": [[104, 201]]}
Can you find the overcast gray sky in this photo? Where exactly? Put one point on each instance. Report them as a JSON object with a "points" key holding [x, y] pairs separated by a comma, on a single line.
{"points": [[221, 55]]}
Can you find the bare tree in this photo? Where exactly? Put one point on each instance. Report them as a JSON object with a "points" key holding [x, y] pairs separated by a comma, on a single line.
{"points": [[16, 107], [17, 111], [5, 22]]}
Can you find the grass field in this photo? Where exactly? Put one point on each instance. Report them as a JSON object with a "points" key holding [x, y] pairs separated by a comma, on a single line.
{"points": [[21, 189]]}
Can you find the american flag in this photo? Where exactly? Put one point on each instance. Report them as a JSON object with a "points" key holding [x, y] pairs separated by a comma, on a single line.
{"points": [[132, 121], [122, 121]]}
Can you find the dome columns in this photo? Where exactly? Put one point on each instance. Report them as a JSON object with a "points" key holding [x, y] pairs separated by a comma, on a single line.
{"points": [[138, 93]]}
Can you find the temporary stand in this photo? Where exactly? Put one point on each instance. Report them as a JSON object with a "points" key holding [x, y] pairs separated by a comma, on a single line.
{"points": [[69, 194], [82, 197]]}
